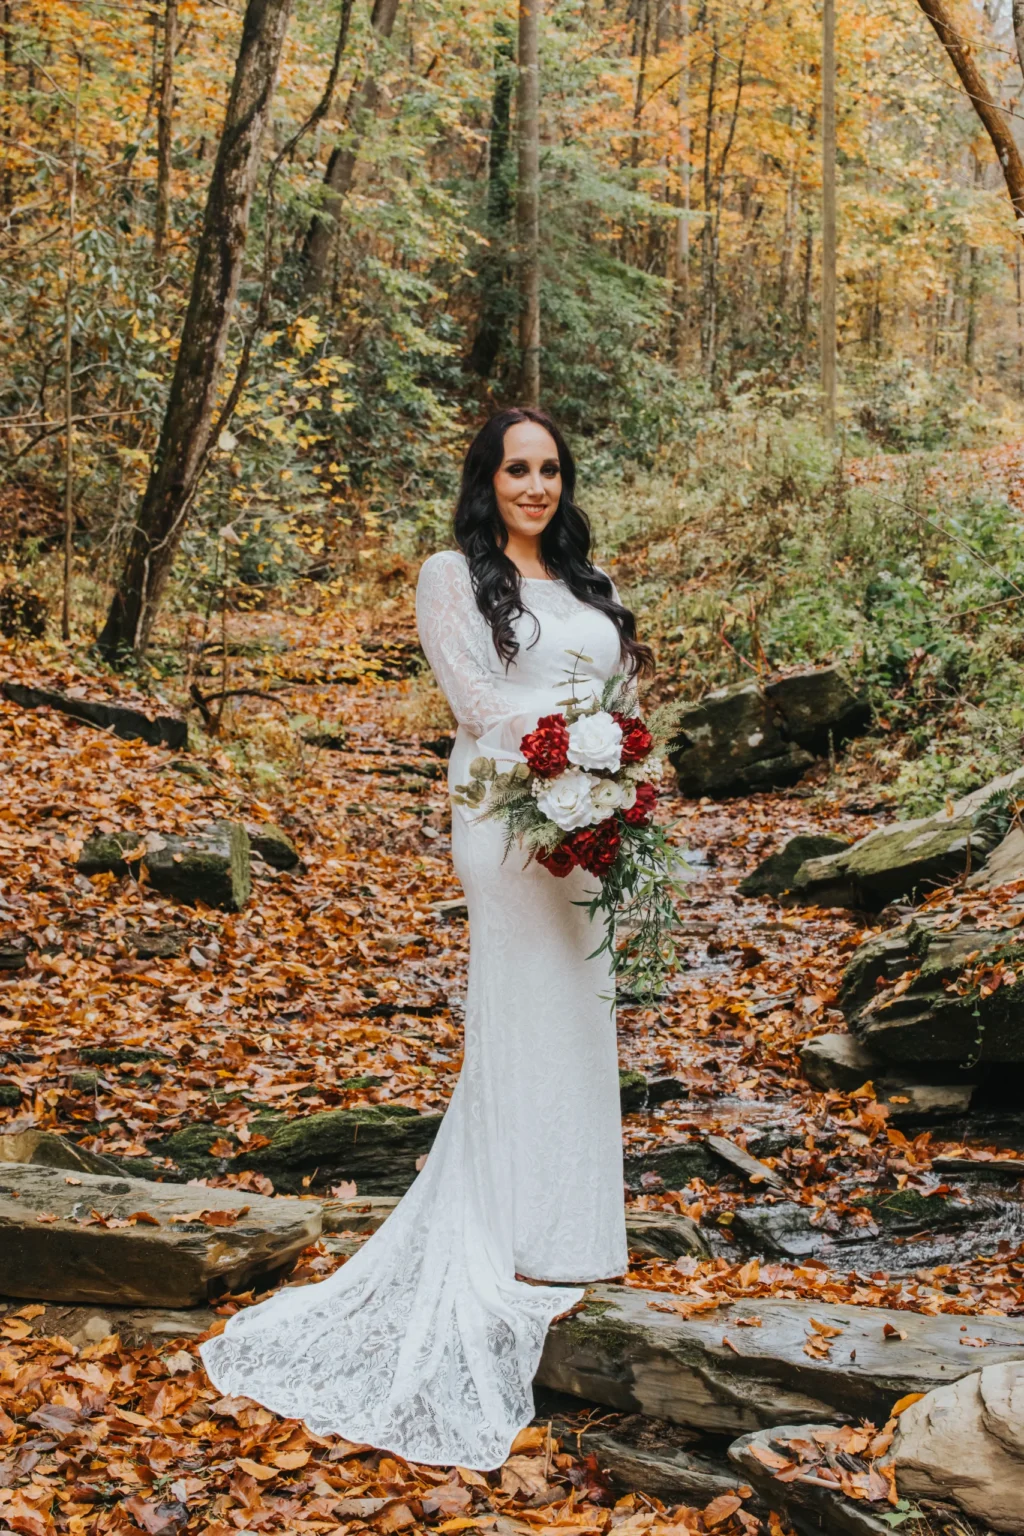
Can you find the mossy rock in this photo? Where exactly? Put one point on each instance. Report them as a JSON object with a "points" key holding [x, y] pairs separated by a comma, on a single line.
{"points": [[10, 1095], [910, 859], [274, 846], [929, 1021], [775, 874], [211, 866], [632, 1091], [904, 1210], [376, 1146], [105, 853]]}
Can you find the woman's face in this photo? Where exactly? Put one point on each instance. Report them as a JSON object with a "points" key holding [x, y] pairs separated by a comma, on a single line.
{"points": [[528, 483]]}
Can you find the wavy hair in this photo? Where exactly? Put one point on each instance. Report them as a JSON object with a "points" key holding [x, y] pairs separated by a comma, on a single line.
{"points": [[564, 544]]}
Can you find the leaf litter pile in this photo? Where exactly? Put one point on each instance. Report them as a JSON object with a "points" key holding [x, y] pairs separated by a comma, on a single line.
{"points": [[126, 1017]]}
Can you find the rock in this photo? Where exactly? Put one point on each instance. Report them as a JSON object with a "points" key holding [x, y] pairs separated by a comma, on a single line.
{"points": [[377, 1146], [965, 1441], [191, 770], [745, 737], [812, 1507], [357, 1215], [44, 1149], [708, 1372], [632, 1091], [670, 1167], [74, 1258], [10, 1095], [841, 1063], [741, 1162], [895, 998], [274, 845], [129, 724], [638, 1093], [14, 956], [838, 1063], [135, 1326], [661, 1235], [731, 744], [786, 1229], [1004, 864], [211, 866], [639, 1455], [820, 707], [107, 853], [775, 874], [454, 907], [911, 858], [158, 944], [995, 1168]]}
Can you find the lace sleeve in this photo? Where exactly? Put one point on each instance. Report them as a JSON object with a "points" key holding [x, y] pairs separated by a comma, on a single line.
{"points": [[454, 639]]}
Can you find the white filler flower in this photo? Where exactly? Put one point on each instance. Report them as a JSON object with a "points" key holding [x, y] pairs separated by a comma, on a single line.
{"points": [[607, 796], [566, 800], [595, 741]]}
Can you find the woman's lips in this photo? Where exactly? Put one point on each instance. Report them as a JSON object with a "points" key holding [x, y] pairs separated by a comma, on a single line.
{"points": [[534, 511]]}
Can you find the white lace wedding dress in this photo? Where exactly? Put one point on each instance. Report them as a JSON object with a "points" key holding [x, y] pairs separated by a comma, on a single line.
{"points": [[424, 1343]]}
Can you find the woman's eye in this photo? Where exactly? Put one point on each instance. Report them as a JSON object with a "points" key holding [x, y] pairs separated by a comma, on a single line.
{"points": [[550, 470], [516, 469]]}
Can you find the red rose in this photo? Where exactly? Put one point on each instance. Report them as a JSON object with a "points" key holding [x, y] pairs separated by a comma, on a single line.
{"points": [[642, 809], [637, 740], [559, 861], [546, 749], [596, 848]]}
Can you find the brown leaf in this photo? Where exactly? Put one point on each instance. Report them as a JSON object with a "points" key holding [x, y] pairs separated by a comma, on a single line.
{"points": [[720, 1509], [255, 1469]]}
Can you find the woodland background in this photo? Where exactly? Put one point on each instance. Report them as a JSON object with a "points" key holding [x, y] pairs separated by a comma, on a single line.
{"points": [[679, 277]]}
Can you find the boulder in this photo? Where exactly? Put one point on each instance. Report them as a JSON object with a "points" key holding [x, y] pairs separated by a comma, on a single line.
{"points": [[1004, 864], [273, 845], [775, 874], [811, 1506], [841, 1063], [965, 1441], [633, 1351], [210, 865], [638, 1093], [899, 999], [671, 1166], [748, 737], [731, 744], [377, 1146], [45, 1149], [88, 1237], [10, 1094], [129, 724], [786, 1230], [820, 707], [909, 859]]}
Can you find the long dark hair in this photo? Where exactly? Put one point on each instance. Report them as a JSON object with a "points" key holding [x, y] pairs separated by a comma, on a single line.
{"points": [[564, 544]]}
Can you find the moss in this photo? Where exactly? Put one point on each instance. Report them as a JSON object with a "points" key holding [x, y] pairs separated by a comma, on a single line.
{"points": [[105, 853]]}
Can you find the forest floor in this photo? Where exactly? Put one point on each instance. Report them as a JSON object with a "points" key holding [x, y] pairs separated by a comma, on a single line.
{"points": [[269, 1007]]}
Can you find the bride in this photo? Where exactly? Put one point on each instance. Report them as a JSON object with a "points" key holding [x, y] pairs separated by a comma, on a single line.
{"points": [[426, 1342]]}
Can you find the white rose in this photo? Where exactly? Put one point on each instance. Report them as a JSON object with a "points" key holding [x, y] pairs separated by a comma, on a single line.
{"points": [[607, 796], [566, 800], [627, 795], [595, 741]]}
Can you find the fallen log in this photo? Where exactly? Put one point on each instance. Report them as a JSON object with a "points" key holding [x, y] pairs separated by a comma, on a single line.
{"points": [[129, 724], [717, 1375]]}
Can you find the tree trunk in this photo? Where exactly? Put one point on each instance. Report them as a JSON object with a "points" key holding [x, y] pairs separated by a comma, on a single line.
{"points": [[991, 114], [828, 217], [165, 134], [681, 253], [641, 82], [528, 130], [185, 434], [494, 296], [341, 166], [708, 295], [1018, 30]]}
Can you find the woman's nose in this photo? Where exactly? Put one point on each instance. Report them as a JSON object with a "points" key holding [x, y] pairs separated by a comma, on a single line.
{"points": [[536, 486]]}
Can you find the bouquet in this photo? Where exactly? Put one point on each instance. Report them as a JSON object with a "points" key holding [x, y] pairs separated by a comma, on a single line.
{"points": [[584, 797]]}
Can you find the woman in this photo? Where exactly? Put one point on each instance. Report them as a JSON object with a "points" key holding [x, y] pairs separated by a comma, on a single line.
{"points": [[427, 1341]]}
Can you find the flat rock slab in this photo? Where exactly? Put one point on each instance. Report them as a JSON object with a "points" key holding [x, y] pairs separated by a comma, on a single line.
{"points": [[134, 1326], [775, 874], [53, 1247], [129, 724], [621, 1352], [672, 1473], [45, 1149], [811, 1508], [909, 859]]}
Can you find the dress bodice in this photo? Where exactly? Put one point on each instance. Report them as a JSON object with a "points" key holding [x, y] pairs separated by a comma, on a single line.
{"points": [[482, 691]]}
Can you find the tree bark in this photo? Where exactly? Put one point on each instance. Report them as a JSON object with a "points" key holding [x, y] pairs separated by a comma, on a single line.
{"points": [[828, 218], [1018, 30], [528, 130], [681, 252], [69, 419], [991, 114], [165, 133], [185, 434], [641, 82], [494, 298], [341, 166]]}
